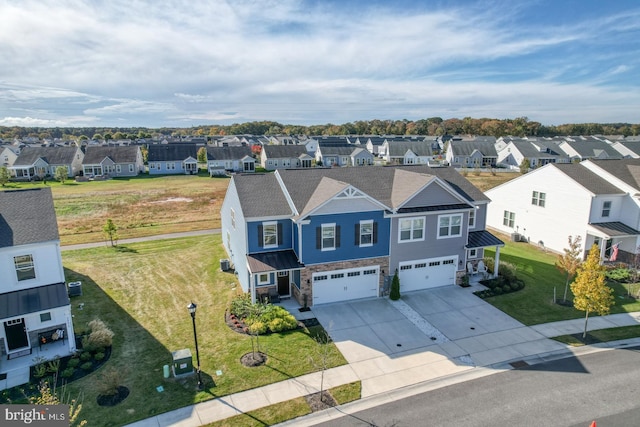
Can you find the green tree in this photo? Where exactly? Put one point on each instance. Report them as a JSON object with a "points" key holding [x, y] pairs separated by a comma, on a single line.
{"points": [[395, 287], [590, 290], [570, 260], [97, 137], [4, 175], [202, 155], [111, 231], [61, 174], [525, 165]]}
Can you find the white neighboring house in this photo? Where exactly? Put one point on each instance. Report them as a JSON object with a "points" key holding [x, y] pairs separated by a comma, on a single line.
{"points": [[8, 155], [595, 199], [35, 310]]}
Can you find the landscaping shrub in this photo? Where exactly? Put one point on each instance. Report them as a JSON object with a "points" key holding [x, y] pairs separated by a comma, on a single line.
{"points": [[622, 275], [241, 306], [68, 373], [109, 381], [257, 327], [394, 295], [87, 366], [100, 336], [261, 317], [73, 363], [53, 366], [98, 356], [85, 356]]}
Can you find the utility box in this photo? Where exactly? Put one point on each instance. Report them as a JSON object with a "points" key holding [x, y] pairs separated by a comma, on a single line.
{"points": [[224, 264], [74, 289], [182, 362]]}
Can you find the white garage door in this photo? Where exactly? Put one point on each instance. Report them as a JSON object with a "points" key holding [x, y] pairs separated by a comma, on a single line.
{"points": [[344, 285], [427, 273]]}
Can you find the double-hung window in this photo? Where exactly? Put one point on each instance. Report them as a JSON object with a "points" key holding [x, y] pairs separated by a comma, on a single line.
{"points": [[366, 233], [328, 236], [24, 267], [411, 229], [270, 234], [606, 208], [449, 226], [509, 219], [538, 198], [472, 219]]}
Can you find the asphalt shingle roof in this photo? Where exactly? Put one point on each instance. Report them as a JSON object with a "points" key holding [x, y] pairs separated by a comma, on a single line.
{"points": [[466, 148], [626, 170], [119, 154], [591, 147], [228, 153], [589, 180], [284, 151], [260, 195], [52, 155], [27, 216], [419, 148], [171, 152]]}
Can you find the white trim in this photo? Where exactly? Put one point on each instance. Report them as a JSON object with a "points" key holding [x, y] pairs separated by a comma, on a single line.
{"points": [[322, 227], [264, 282], [450, 226], [264, 229], [412, 229], [365, 222]]}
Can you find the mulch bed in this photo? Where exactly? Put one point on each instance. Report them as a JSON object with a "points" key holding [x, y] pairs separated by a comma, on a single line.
{"points": [[251, 360], [113, 399], [590, 339], [319, 402], [238, 325]]}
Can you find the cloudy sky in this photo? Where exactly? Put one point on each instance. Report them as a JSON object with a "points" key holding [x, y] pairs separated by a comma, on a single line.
{"points": [[187, 63]]}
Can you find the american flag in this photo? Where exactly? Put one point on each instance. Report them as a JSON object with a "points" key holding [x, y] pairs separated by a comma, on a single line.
{"points": [[614, 252]]}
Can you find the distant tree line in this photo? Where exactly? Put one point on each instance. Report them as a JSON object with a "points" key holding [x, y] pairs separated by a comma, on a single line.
{"points": [[520, 126]]}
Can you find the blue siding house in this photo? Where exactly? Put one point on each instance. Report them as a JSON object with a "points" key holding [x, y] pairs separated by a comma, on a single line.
{"points": [[328, 235], [173, 159]]}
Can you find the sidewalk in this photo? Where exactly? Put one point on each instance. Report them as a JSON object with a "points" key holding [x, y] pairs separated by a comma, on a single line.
{"points": [[386, 379]]}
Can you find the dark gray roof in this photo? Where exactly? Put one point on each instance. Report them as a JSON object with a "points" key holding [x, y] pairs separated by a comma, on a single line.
{"points": [[631, 145], [32, 300], [626, 170], [172, 152], [338, 150], [377, 182], [482, 239], [119, 154], [466, 148], [419, 148], [27, 216], [52, 155], [615, 229], [284, 151], [260, 195], [228, 153], [273, 261], [591, 147], [589, 180]]}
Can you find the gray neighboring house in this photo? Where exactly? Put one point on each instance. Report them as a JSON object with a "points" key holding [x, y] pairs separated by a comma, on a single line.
{"points": [[580, 148], [173, 159], [348, 155], [112, 161], [537, 152], [221, 160], [8, 155], [471, 154], [39, 162], [404, 152], [275, 157]]}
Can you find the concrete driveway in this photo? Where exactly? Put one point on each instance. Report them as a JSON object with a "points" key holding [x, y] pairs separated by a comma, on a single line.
{"points": [[459, 326]]}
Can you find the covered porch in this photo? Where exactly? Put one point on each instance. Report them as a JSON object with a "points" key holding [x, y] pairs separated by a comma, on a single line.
{"points": [[617, 241], [273, 275], [479, 240]]}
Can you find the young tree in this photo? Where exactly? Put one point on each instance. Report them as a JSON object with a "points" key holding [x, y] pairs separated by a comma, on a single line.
{"points": [[48, 396], [61, 174], [4, 175], [111, 231], [570, 260], [394, 295], [525, 165], [590, 290], [202, 155]]}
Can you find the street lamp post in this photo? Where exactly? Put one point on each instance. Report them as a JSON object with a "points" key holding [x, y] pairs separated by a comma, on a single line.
{"points": [[192, 309]]}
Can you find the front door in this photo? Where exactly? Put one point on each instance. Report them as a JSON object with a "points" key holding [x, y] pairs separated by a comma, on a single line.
{"points": [[283, 283], [16, 334]]}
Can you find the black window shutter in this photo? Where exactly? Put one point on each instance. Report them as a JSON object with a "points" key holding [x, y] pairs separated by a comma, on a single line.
{"points": [[375, 233], [260, 236], [357, 241], [337, 236], [318, 237], [279, 234]]}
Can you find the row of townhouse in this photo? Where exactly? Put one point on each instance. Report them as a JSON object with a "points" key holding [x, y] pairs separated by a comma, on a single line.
{"points": [[333, 234], [598, 200], [35, 309]]}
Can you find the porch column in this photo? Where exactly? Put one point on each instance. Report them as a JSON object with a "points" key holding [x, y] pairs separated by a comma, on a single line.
{"points": [[252, 288], [71, 336], [496, 262]]}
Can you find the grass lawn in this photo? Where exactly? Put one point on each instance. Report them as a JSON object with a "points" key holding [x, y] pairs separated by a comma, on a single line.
{"points": [[141, 291], [141, 206], [602, 335], [534, 304], [486, 180]]}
